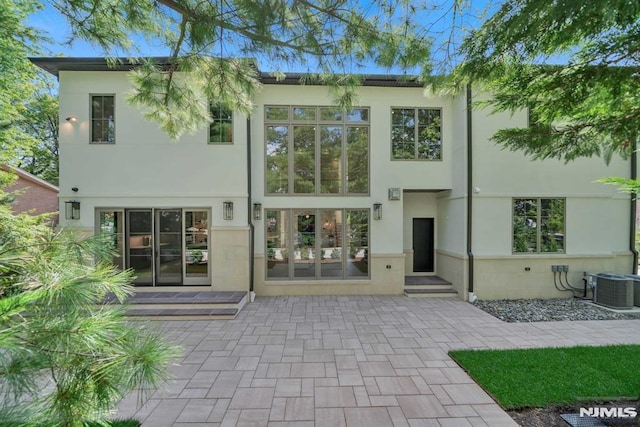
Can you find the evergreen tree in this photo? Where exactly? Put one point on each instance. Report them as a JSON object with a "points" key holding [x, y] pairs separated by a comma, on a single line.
{"points": [[66, 358], [589, 105]]}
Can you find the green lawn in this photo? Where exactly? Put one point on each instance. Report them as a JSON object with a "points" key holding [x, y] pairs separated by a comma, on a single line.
{"points": [[542, 377]]}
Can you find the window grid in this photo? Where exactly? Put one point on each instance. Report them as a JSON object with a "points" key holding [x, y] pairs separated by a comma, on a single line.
{"points": [[317, 244], [539, 225], [416, 134], [316, 151], [103, 119], [221, 126]]}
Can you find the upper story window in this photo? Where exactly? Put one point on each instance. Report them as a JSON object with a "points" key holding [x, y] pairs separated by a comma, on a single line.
{"points": [[316, 150], [538, 225], [103, 124], [221, 127], [416, 134]]}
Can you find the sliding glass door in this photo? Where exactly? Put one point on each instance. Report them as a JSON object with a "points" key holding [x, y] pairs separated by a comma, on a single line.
{"points": [[165, 247]]}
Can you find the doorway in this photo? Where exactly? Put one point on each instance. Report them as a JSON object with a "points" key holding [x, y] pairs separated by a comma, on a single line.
{"points": [[423, 245], [164, 247]]}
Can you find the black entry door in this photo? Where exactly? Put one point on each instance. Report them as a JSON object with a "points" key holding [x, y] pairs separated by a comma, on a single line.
{"points": [[423, 245]]}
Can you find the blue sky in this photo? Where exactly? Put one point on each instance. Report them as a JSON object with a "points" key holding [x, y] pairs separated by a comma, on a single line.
{"points": [[50, 22]]}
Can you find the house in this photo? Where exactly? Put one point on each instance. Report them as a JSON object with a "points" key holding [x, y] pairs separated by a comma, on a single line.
{"points": [[36, 196], [301, 198]]}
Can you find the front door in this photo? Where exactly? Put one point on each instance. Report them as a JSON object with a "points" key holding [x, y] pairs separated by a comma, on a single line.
{"points": [[423, 245]]}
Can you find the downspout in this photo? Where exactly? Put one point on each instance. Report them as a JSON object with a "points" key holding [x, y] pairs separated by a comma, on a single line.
{"points": [[632, 222], [472, 295], [252, 294]]}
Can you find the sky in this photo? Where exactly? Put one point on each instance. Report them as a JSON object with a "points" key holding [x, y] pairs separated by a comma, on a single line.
{"points": [[50, 22]]}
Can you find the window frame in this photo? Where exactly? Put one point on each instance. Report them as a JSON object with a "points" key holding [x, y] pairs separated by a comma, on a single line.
{"points": [[290, 123], [92, 120], [220, 107], [291, 243], [538, 229], [416, 134]]}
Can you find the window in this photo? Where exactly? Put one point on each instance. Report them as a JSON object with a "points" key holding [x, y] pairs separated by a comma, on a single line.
{"points": [[316, 150], [221, 127], [103, 128], [538, 225], [317, 244], [416, 134]]}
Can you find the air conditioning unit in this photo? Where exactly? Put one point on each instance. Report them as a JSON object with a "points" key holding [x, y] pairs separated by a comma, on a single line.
{"points": [[636, 288], [614, 291]]}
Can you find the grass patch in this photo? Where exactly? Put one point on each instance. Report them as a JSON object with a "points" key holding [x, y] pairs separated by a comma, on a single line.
{"points": [[121, 423], [547, 376]]}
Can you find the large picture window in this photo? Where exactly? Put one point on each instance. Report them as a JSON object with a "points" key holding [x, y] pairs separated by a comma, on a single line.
{"points": [[316, 150], [538, 225], [103, 125], [317, 244], [416, 134]]}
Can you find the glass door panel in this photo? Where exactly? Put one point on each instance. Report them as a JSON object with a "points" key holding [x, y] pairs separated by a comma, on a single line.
{"points": [[196, 240], [277, 224], [305, 244], [140, 245], [331, 244], [111, 222], [358, 243], [169, 246]]}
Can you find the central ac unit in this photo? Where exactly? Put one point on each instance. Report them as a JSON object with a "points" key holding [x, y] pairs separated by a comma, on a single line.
{"points": [[613, 290]]}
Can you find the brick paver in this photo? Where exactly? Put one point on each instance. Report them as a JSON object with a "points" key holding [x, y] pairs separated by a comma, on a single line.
{"points": [[346, 361]]}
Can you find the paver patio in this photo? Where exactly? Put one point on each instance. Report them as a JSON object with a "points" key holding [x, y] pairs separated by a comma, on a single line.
{"points": [[346, 361]]}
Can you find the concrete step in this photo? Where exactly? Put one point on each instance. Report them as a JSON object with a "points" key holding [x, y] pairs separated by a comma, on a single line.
{"points": [[183, 305], [431, 293], [190, 313]]}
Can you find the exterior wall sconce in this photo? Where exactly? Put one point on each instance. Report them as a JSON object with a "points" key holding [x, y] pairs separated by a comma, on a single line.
{"points": [[72, 210], [377, 211], [72, 119], [227, 210], [394, 194], [257, 211]]}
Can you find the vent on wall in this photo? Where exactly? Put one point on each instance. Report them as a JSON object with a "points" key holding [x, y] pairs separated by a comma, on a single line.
{"points": [[613, 290]]}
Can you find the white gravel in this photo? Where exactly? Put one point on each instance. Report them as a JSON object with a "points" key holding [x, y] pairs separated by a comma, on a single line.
{"points": [[545, 310]]}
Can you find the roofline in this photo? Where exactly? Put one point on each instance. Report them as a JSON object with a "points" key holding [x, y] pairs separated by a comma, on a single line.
{"points": [[30, 177], [54, 65]]}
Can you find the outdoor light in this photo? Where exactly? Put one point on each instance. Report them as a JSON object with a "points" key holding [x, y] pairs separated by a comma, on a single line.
{"points": [[257, 211], [227, 210], [394, 194], [377, 211], [72, 119], [72, 209]]}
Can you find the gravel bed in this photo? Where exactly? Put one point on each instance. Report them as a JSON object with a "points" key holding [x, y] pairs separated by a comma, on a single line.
{"points": [[545, 310]]}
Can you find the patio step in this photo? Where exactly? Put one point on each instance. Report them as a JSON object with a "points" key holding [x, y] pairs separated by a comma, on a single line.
{"points": [[428, 286], [431, 293], [183, 305]]}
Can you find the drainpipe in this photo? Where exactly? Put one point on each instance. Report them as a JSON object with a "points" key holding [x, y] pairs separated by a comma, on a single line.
{"points": [[632, 222], [472, 295], [252, 294]]}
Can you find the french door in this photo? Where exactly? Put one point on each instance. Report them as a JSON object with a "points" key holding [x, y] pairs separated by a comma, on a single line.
{"points": [[165, 247]]}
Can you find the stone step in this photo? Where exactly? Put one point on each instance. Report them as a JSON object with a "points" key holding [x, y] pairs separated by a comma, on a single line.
{"points": [[431, 293], [190, 313], [443, 286], [183, 305]]}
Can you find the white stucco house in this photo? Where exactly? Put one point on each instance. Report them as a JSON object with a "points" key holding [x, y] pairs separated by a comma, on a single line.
{"points": [[300, 198]]}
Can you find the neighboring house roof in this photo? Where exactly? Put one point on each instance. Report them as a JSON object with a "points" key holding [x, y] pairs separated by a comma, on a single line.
{"points": [[55, 65], [36, 196], [29, 177]]}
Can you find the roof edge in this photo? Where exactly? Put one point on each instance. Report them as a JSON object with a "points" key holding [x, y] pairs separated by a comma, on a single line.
{"points": [[54, 65]]}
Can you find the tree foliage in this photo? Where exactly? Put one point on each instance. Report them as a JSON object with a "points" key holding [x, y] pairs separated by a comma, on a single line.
{"points": [[210, 43], [589, 106], [66, 358]]}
